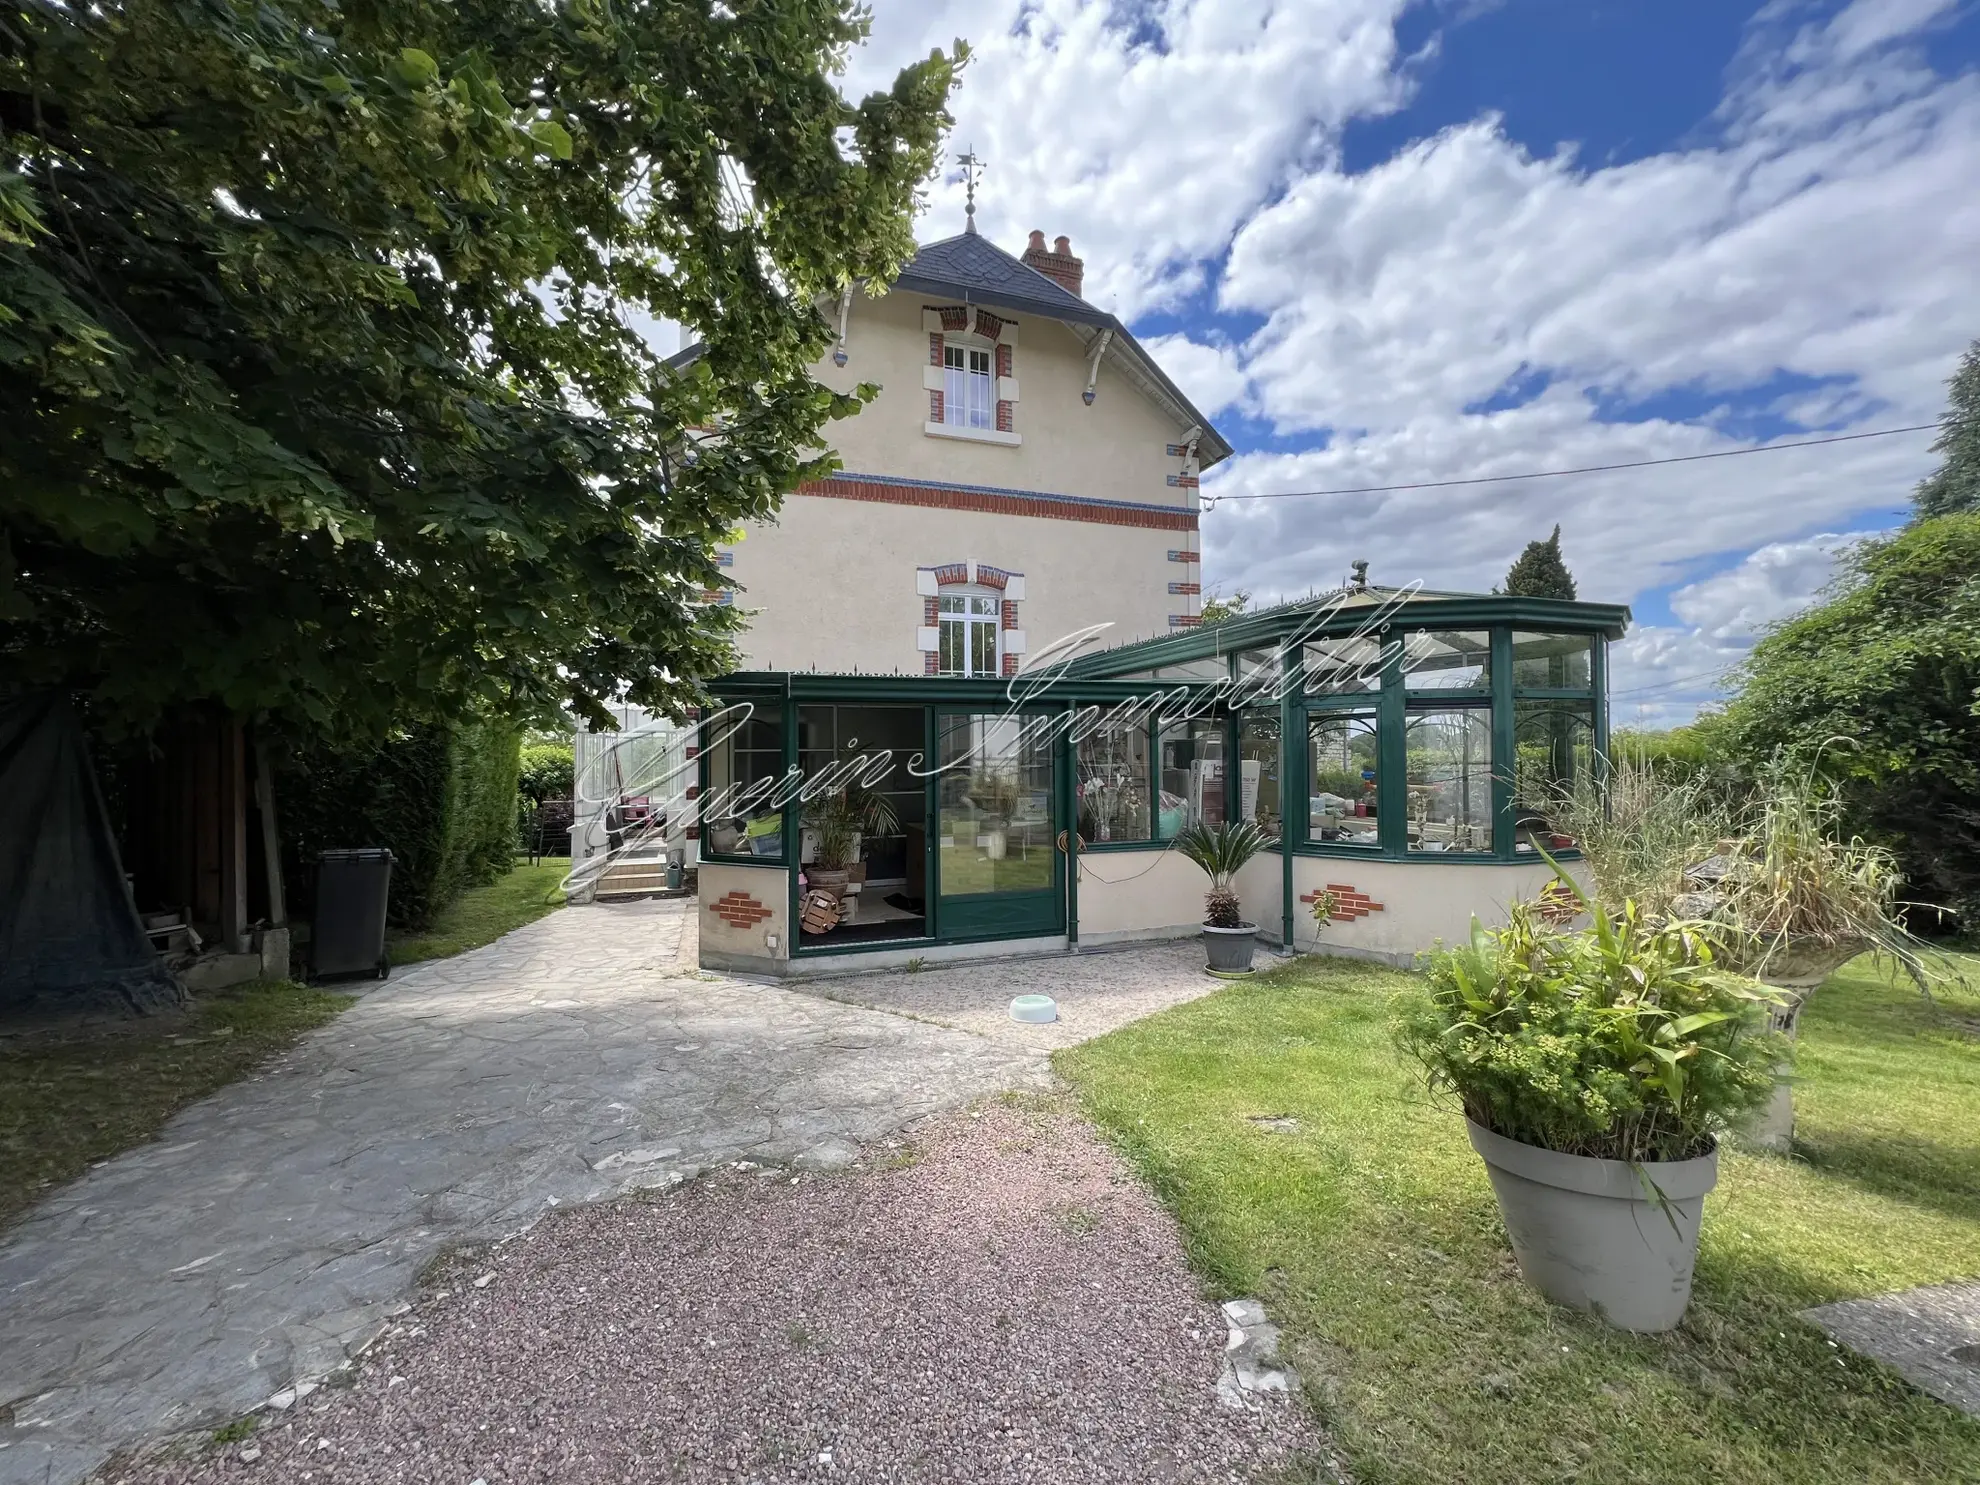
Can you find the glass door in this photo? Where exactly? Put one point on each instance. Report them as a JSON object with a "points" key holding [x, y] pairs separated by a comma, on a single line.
{"points": [[998, 870]]}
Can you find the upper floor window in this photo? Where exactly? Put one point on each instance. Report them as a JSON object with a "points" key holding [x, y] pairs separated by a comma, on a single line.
{"points": [[969, 391], [966, 631]]}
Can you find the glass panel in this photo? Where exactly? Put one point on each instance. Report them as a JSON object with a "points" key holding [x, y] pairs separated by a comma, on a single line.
{"points": [[982, 648], [1552, 662], [1258, 670], [995, 793], [743, 770], [949, 654], [1342, 757], [1447, 660], [1210, 668], [1113, 784], [1554, 752], [955, 394], [1336, 667], [1450, 780], [1259, 795], [1192, 776]]}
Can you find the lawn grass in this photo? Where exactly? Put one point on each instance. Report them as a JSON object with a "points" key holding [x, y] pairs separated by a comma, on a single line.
{"points": [[1372, 1235], [69, 1098], [481, 915]]}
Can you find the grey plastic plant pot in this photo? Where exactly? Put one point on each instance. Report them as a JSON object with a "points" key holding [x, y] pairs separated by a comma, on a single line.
{"points": [[1230, 949], [1588, 1234]]}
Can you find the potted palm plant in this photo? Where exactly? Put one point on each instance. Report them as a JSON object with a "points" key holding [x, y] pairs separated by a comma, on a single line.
{"points": [[1597, 1070], [837, 822], [1221, 851]]}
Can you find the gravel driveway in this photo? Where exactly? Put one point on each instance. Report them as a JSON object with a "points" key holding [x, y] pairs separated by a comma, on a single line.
{"points": [[272, 1227], [1009, 1306]]}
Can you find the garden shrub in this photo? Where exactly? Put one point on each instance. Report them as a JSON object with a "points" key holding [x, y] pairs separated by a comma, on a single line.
{"points": [[1626, 1041], [442, 800], [546, 772]]}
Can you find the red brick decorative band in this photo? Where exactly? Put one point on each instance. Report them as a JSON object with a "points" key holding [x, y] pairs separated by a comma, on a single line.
{"points": [[1348, 903], [739, 910], [1003, 502]]}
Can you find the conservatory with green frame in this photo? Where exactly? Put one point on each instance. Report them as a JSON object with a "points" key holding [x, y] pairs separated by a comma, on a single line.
{"points": [[1405, 750]]}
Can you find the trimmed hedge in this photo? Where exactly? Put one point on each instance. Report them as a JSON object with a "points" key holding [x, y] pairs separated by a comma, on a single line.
{"points": [[547, 769], [442, 800]]}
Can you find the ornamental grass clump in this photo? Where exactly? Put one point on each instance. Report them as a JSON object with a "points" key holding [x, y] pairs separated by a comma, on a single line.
{"points": [[1627, 1040]]}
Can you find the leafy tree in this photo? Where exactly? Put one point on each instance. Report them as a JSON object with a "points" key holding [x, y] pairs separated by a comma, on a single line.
{"points": [[322, 395], [1540, 572], [1882, 682], [1216, 610], [1955, 485]]}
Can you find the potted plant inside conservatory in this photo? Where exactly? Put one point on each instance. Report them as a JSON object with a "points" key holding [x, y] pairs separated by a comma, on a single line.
{"points": [[837, 823], [1597, 1070], [1222, 851]]}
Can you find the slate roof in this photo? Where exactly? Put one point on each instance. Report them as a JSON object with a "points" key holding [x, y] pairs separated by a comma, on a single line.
{"points": [[976, 266], [973, 268]]}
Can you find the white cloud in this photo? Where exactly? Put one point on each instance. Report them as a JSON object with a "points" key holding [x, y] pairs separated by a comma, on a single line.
{"points": [[1208, 374], [1772, 582], [1149, 156], [1813, 250]]}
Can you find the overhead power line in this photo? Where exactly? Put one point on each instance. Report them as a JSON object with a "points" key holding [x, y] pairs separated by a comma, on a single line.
{"points": [[1666, 685], [1548, 474]]}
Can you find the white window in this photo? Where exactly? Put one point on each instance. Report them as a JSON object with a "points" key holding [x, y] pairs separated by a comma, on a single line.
{"points": [[967, 631], [969, 392]]}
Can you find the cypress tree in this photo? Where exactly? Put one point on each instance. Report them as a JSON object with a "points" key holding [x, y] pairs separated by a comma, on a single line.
{"points": [[1540, 572]]}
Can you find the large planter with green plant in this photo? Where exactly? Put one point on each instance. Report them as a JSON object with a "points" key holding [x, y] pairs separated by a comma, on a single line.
{"points": [[1222, 851], [1791, 894], [1617, 1237], [838, 822], [1597, 1070]]}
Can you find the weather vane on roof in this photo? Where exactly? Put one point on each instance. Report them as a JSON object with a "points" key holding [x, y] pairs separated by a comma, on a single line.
{"points": [[972, 167]]}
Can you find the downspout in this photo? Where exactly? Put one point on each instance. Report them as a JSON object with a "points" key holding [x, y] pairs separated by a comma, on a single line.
{"points": [[839, 357], [1288, 713], [1093, 365]]}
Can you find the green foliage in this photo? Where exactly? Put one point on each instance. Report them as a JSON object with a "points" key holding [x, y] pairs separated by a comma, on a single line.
{"points": [[1676, 754], [1222, 851], [1216, 610], [545, 771], [843, 816], [1881, 685], [323, 400], [1954, 487], [441, 799], [1540, 572], [1626, 1041]]}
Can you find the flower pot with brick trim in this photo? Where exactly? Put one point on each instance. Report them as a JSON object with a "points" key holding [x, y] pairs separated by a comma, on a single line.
{"points": [[1222, 852]]}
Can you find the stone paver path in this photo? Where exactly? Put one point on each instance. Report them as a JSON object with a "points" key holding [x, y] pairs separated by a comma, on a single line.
{"points": [[1096, 991], [274, 1226], [1930, 1335]]}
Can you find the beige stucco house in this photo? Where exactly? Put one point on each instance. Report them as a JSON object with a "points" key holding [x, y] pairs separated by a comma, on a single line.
{"points": [[1026, 471]]}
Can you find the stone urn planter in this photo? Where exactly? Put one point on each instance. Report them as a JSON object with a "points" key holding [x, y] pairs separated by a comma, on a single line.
{"points": [[1594, 1234], [1230, 949], [1796, 969]]}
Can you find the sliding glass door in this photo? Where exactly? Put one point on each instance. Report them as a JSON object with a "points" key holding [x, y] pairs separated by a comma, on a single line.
{"points": [[999, 872]]}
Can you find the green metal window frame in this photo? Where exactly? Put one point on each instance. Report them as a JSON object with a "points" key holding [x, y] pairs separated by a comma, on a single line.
{"points": [[1111, 677]]}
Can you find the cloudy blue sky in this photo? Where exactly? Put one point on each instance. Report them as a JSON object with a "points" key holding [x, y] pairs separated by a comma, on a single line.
{"points": [[1399, 240]]}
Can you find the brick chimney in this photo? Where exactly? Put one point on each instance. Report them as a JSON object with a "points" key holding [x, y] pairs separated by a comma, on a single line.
{"points": [[1056, 262]]}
